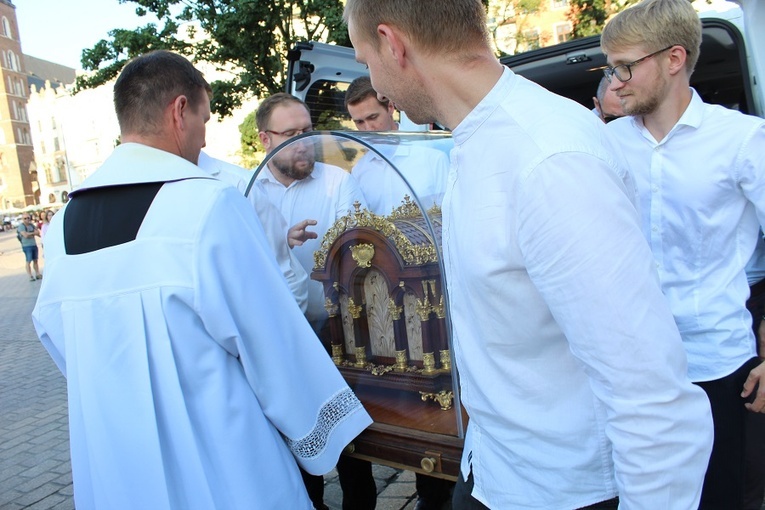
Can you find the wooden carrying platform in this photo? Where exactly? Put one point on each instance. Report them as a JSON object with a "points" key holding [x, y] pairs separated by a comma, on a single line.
{"points": [[386, 332]]}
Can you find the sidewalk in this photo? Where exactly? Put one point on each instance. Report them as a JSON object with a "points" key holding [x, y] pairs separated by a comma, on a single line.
{"points": [[35, 472]]}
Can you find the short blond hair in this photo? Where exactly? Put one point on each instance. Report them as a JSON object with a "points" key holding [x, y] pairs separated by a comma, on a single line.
{"points": [[656, 24], [436, 25]]}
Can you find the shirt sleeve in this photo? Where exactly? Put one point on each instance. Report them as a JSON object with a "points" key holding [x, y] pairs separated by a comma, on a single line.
{"points": [[580, 238], [751, 166], [247, 307]]}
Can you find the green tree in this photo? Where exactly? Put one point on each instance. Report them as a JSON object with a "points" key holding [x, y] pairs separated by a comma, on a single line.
{"points": [[588, 17], [247, 38]]}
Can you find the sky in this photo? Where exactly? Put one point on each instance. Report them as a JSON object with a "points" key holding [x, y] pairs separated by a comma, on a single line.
{"points": [[58, 30]]}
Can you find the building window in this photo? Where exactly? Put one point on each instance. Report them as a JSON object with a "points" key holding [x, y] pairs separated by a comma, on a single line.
{"points": [[48, 176], [7, 28], [563, 32], [559, 4], [56, 145], [13, 61]]}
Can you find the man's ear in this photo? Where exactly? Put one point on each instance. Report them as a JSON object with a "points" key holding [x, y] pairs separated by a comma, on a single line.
{"points": [[264, 139], [677, 59], [179, 108], [394, 42], [597, 105]]}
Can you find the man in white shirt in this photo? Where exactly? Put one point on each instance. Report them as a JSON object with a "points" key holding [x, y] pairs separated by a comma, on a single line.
{"points": [[302, 188], [423, 168], [700, 174], [194, 382], [571, 367], [272, 220]]}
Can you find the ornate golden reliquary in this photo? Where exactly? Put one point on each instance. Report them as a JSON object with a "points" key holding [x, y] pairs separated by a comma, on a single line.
{"points": [[382, 288]]}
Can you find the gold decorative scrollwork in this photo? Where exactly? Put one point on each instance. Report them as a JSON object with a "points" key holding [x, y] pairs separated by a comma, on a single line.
{"points": [[381, 369], [413, 254], [444, 398], [363, 254]]}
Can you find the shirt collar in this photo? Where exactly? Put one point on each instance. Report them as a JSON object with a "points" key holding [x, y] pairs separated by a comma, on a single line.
{"points": [[485, 108], [691, 117], [132, 163], [268, 176]]}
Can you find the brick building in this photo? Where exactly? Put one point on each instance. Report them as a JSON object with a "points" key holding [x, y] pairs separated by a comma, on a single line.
{"points": [[18, 178]]}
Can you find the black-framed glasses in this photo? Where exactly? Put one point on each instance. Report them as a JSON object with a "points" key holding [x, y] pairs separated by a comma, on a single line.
{"points": [[26, 218], [623, 72], [291, 132]]}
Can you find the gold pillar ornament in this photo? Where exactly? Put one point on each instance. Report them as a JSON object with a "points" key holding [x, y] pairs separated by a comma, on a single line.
{"points": [[361, 357], [393, 310], [446, 360], [331, 308], [337, 354], [401, 361], [428, 363], [354, 309]]}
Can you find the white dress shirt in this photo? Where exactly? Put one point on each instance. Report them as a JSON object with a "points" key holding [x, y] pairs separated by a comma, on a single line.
{"points": [[194, 382], [270, 218], [327, 194], [424, 168], [571, 367], [702, 193]]}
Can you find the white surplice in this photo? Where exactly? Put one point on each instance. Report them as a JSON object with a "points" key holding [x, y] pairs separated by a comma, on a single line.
{"points": [[194, 381]]}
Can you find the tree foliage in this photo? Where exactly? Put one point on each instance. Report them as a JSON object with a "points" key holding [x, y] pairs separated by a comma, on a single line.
{"points": [[247, 38]]}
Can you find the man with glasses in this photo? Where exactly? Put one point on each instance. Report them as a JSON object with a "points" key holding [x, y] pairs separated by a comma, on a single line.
{"points": [[700, 173], [315, 195], [27, 232], [571, 367]]}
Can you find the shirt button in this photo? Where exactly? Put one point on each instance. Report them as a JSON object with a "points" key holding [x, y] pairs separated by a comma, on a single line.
{"points": [[654, 229], [655, 189]]}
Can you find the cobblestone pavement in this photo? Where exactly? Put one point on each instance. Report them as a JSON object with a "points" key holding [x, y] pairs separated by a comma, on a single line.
{"points": [[35, 472]]}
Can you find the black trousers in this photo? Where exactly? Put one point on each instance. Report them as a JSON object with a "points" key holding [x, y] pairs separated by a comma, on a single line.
{"points": [[724, 480], [356, 481], [463, 500], [754, 438]]}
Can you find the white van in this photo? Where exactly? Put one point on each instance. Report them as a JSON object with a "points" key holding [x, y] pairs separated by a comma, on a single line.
{"points": [[730, 69]]}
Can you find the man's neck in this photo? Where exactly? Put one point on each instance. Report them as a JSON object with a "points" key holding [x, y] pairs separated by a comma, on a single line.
{"points": [[661, 121], [461, 96]]}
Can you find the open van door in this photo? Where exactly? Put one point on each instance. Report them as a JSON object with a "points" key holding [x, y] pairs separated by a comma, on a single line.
{"points": [[319, 74]]}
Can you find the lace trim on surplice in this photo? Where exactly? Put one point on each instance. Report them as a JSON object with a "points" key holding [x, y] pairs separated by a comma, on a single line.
{"points": [[331, 413]]}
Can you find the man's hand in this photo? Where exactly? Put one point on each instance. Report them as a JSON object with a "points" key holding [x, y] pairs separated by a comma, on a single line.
{"points": [[297, 234], [761, 340], [756, 378]]}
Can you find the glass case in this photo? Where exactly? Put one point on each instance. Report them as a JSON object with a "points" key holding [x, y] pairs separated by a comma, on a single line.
{"points": [[376, 297]]}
